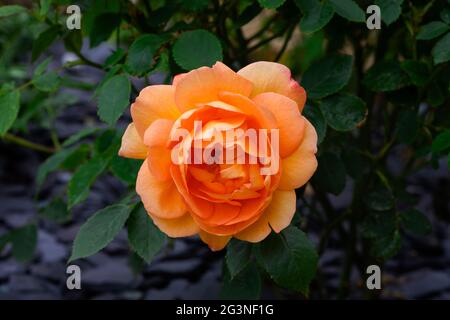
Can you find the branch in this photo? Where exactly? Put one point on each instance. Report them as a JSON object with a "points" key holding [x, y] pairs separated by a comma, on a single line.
{"points": [[27, 144]]}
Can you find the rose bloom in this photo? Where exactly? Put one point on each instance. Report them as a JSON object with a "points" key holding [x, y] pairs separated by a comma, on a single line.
{"points": [[220, 201]]}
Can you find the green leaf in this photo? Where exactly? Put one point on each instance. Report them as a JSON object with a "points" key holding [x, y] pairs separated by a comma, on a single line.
{"points": [[83, 133], [144, 237], [114, 57], [445, 15], [10, 10], [290, 259], [311, 49], [125, 169], [102, 28], [76, 158], [163, 63], [194, 5], [386, 76], [44, 40], [73, 41], [415, 222], [9, 108], [441, 51], [379, 224], [140, 55], [271, 4], [381, 227], [315, 116], [94, 9], [51, 164], [380, 200], [42, 67], [245, 286], [136, 263], [407, 126], [82, 180], [343, 112], [113, 98], [432, 30], [107, 144], [238, 256], [44, 6], [388, 246], [24, 240], [349, 10], [56, 211], [99, 230], [327, 76], [390, 10], [316, 14], [356, 164], [47, 82], [441, 142], [417, 71], [194, 49], [111, 73], [330, 175]]}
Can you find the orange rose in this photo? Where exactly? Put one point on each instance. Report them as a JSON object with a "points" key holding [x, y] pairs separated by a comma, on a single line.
{"points": [[221, 200]]}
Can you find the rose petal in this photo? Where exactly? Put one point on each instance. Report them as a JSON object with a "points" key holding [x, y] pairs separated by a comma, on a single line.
{"points": [[289, 120], [132, 144], [299, 167], [159, 156], [177, 78], [273, 77], [256, 232], [281, 209], [155, 194], [203, 85], [154, 102], [278, 215], [215, 243], [199, 207], [264, 118], [183, 226]]}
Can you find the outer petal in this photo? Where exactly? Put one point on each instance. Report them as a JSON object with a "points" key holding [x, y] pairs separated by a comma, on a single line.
{"points": [[289, 120], [203, 85], [299, 167], [277, 215], [183, 226], [160, 198], [273, 77], [215, 243], [156, 138], [153, 102], [281, 210], [256, 232], [177, 78], [132, 144]]}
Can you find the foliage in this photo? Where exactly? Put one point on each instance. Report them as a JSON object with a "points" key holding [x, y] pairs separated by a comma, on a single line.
{"points": [[370, 92]]}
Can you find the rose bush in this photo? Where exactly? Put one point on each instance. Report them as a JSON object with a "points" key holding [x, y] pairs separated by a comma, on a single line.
{"points": [[220, 200], [376, 109]]}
